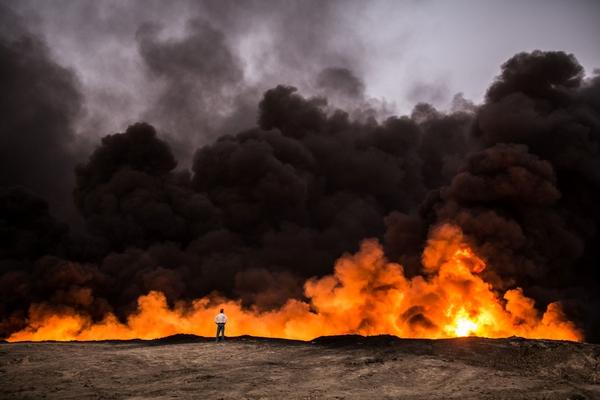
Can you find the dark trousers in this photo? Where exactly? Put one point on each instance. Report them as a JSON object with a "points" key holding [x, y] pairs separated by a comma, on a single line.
{"points": [[220, 332]]}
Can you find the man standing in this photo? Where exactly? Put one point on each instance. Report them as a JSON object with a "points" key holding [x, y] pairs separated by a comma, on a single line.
{"points": [[221, 320]]}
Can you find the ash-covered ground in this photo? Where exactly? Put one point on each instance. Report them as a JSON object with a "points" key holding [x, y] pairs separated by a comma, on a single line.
{"points": [[346, 367]]}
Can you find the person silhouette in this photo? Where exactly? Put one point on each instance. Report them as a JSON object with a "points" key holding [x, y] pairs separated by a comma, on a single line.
{"points": [[221, 320]]}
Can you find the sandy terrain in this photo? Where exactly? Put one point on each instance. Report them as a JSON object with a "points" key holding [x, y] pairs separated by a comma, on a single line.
{"points": [[348, 367]]}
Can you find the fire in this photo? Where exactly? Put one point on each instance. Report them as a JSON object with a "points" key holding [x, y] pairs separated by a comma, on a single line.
{"points": [[366, 294], [462, 324]]}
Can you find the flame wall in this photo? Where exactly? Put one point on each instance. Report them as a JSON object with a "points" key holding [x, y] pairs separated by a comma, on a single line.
{"points": [[366, 295]]}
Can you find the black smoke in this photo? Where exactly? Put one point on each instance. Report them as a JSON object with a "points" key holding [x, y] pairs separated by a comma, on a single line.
{"points": [[266, 207], [202, 84], [530, 198], [39, 103]]}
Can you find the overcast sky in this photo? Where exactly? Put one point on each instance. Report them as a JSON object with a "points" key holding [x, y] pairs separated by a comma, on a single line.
{"points": [[404, 51]]}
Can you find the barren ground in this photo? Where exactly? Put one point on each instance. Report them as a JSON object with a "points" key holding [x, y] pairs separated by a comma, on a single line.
{"points": [[347, 367]]}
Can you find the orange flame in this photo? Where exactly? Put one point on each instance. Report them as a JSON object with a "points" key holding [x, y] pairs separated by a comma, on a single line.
{"points": [[366, 295]]}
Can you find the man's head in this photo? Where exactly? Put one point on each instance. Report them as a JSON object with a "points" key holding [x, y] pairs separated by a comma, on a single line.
{"points": [[222, 310]]}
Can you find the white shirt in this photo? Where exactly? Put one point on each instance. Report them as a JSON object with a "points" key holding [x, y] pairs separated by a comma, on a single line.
{"points": [[220, 318]]}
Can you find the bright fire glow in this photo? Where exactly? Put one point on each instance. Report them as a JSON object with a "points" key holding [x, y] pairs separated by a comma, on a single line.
{"points": [[366, 294], [462, 325]]}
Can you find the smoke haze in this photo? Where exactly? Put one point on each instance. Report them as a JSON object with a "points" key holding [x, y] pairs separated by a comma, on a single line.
{"points": [[213, 149]]}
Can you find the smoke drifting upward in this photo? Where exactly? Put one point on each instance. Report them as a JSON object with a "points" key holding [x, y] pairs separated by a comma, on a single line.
{"points": [[194, 70], [294, 208], [202, 82], [40, 101]]}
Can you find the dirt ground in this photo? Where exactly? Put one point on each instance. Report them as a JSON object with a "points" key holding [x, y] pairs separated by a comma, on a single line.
{"points": [[347, 367]]}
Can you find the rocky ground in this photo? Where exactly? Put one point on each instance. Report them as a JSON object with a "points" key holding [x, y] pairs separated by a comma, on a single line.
{"points": [[346, 367]]}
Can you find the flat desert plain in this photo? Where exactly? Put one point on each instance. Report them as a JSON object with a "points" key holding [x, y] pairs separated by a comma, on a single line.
{"points": [[342, 367]]}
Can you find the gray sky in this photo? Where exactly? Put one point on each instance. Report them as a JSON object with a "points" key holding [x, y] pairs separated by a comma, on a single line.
{"points": [[404, 51], [458, 46]]}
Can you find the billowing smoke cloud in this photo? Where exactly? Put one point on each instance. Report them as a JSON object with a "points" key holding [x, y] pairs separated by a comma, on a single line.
{"points": [[194, 70], [202, 83], [527, 200], [206, 90], [342, 81], [279, 190], [40, 101], [541, 101], [129, 195]]}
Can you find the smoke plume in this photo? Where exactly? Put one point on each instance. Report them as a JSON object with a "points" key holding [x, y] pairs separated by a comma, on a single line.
{"points": [[40, 101], [281, 188]]}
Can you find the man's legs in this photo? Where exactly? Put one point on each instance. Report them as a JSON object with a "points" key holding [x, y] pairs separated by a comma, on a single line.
{"points": [[220, 332]]}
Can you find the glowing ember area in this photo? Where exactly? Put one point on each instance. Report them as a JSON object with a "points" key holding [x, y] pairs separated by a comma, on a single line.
{"points": [[366, 295]]}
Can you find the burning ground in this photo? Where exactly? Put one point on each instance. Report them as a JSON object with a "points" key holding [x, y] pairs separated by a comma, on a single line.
{"points": [[348, 367], [367, 295], [313, 219]]}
